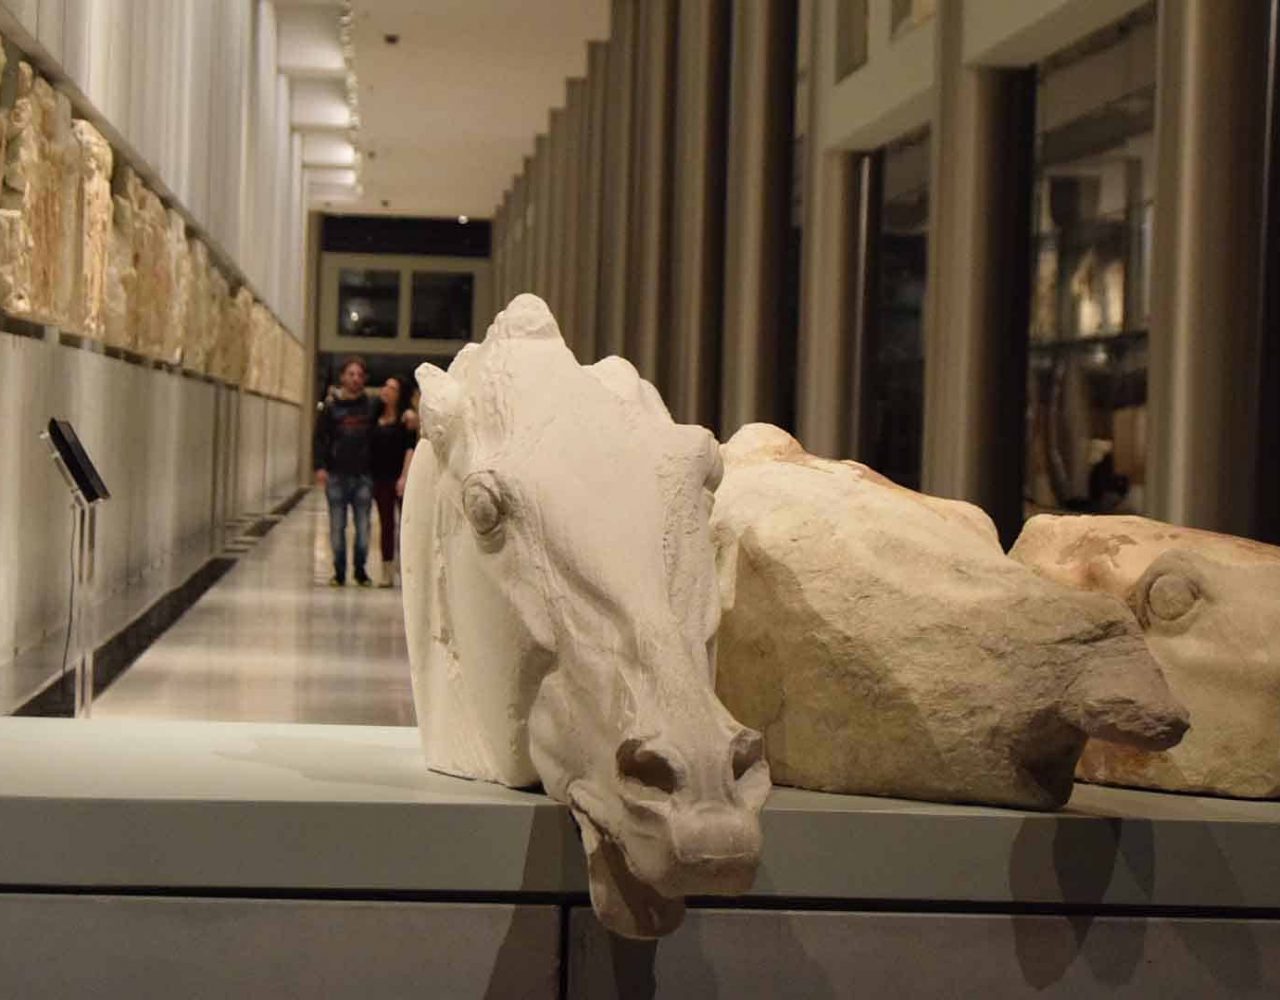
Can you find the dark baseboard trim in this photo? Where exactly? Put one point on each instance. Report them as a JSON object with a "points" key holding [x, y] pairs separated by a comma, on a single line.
{"points": [[114, 656]]}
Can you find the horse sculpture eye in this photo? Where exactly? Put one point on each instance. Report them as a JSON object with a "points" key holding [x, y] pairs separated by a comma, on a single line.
{"points": [[483, 507], [1170, 597]]}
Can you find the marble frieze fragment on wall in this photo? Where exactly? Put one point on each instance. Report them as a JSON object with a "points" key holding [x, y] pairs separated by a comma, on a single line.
{"points": [[39, 209], [95, 233]]}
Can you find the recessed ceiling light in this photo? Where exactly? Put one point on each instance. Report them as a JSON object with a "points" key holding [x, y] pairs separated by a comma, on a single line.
{"points": [[391, 38], [463, 220], [371, 155]]}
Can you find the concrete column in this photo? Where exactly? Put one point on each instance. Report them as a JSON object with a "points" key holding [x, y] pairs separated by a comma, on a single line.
{"points": [[649, 271], [758, 207], [498, 253], [978, 298], [523, 270], [1205, 348], [541, 219], [697, 239], [616, 209], [588, 284], [835, 311], [575, 115], [1268, 387], [555, 232]]}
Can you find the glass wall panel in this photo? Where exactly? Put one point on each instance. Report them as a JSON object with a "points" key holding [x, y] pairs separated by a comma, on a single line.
{"points": [[1095, 178], [441, 306], [368, 302]]}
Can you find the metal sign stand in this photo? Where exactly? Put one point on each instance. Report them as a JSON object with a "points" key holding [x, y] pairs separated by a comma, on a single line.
{"points": [[84, 537]]}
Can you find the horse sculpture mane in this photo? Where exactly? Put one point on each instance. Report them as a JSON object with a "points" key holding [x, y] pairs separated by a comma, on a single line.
{"points": [[561, 607]]}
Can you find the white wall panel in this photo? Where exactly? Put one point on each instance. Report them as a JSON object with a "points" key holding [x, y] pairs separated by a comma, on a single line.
{"points": [[152, 435]]}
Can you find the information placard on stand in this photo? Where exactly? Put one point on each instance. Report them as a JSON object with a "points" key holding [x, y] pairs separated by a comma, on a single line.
{"points": [[87, 490]]}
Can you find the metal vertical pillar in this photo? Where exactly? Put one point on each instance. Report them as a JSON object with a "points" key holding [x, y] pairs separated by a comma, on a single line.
{"points": [[588, 283], [758, 207], [1204, 349], [979, 287], [697, 251], [616, 218]]}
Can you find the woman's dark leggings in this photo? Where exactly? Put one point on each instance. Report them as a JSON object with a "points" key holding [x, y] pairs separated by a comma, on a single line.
{"points": [[384, 496]]}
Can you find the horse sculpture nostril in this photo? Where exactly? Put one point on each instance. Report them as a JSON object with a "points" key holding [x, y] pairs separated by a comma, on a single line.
{"points": [[647, 766], [748, 751]]}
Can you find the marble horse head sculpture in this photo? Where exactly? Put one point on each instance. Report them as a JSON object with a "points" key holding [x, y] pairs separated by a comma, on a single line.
{"points": [[561, 606], [884, 644], [1209, 605]]}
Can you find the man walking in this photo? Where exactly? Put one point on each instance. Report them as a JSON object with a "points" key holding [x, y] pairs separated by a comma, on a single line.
{"points": [[344, 431]]}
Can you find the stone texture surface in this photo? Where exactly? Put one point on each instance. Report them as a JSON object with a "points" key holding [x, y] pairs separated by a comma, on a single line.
{"points": [[39, 208], [1210, 607], [259, 347], [200, 332], [178, 268], [152, 292], [94, 229], [121, 278], [884, 644], [560, 604], [231, 355]]}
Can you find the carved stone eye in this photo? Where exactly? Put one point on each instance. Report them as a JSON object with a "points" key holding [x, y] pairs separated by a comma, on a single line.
{"points": [[483, 506], [1170, 597]]}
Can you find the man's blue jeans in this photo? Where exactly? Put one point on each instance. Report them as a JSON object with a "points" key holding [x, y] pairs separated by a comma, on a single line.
{"points": [[356, 491]]}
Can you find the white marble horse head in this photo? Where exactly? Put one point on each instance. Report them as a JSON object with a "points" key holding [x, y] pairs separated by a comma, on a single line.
{"points": [[561, 606]]}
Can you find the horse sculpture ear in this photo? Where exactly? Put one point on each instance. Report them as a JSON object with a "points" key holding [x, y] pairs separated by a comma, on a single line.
{"points": [[441, 403]]}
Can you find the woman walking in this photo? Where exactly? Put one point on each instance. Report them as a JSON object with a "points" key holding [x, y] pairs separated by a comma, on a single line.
{"points": [[392, 448]]}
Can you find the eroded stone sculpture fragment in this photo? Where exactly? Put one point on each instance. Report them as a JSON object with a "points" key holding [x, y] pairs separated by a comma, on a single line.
{"points": [[560, 603], [39, 204], [150, 300], [1209, 605], [884, 644], [95, 232]]}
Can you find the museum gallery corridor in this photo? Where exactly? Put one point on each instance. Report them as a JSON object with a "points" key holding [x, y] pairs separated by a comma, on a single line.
{"points": [[270, 643]]}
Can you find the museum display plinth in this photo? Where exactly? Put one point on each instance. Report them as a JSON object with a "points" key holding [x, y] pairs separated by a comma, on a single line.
{"points": [[316, 837]]}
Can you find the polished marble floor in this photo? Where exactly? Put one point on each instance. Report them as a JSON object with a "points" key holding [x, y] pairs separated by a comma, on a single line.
{"points": [[271, 642]]}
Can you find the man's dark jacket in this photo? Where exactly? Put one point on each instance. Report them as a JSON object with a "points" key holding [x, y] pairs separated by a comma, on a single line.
{"points": [[344, 431]]}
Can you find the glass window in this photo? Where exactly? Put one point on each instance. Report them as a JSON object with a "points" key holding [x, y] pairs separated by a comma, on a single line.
{"points": [[1095, 178], [896, 362], [907, 14], [851, 36], [368, 302], [441, 308]]}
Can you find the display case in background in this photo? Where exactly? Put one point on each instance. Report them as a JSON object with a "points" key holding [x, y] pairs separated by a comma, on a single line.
{"points": [[1090, 313]]}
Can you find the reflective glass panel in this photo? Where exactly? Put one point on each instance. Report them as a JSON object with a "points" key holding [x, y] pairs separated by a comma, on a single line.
{"points": [[441, 306], [368, 302]]}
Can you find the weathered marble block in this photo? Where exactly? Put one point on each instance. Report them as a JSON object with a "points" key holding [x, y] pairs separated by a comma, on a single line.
{"points": [[178, 268], [219, 324], [1209, 605], [39, 204], [95, 231], [198, 335], [121, 279], [149, 304], [561, 604], [235, 337], [259, 348], [884, 644]]}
